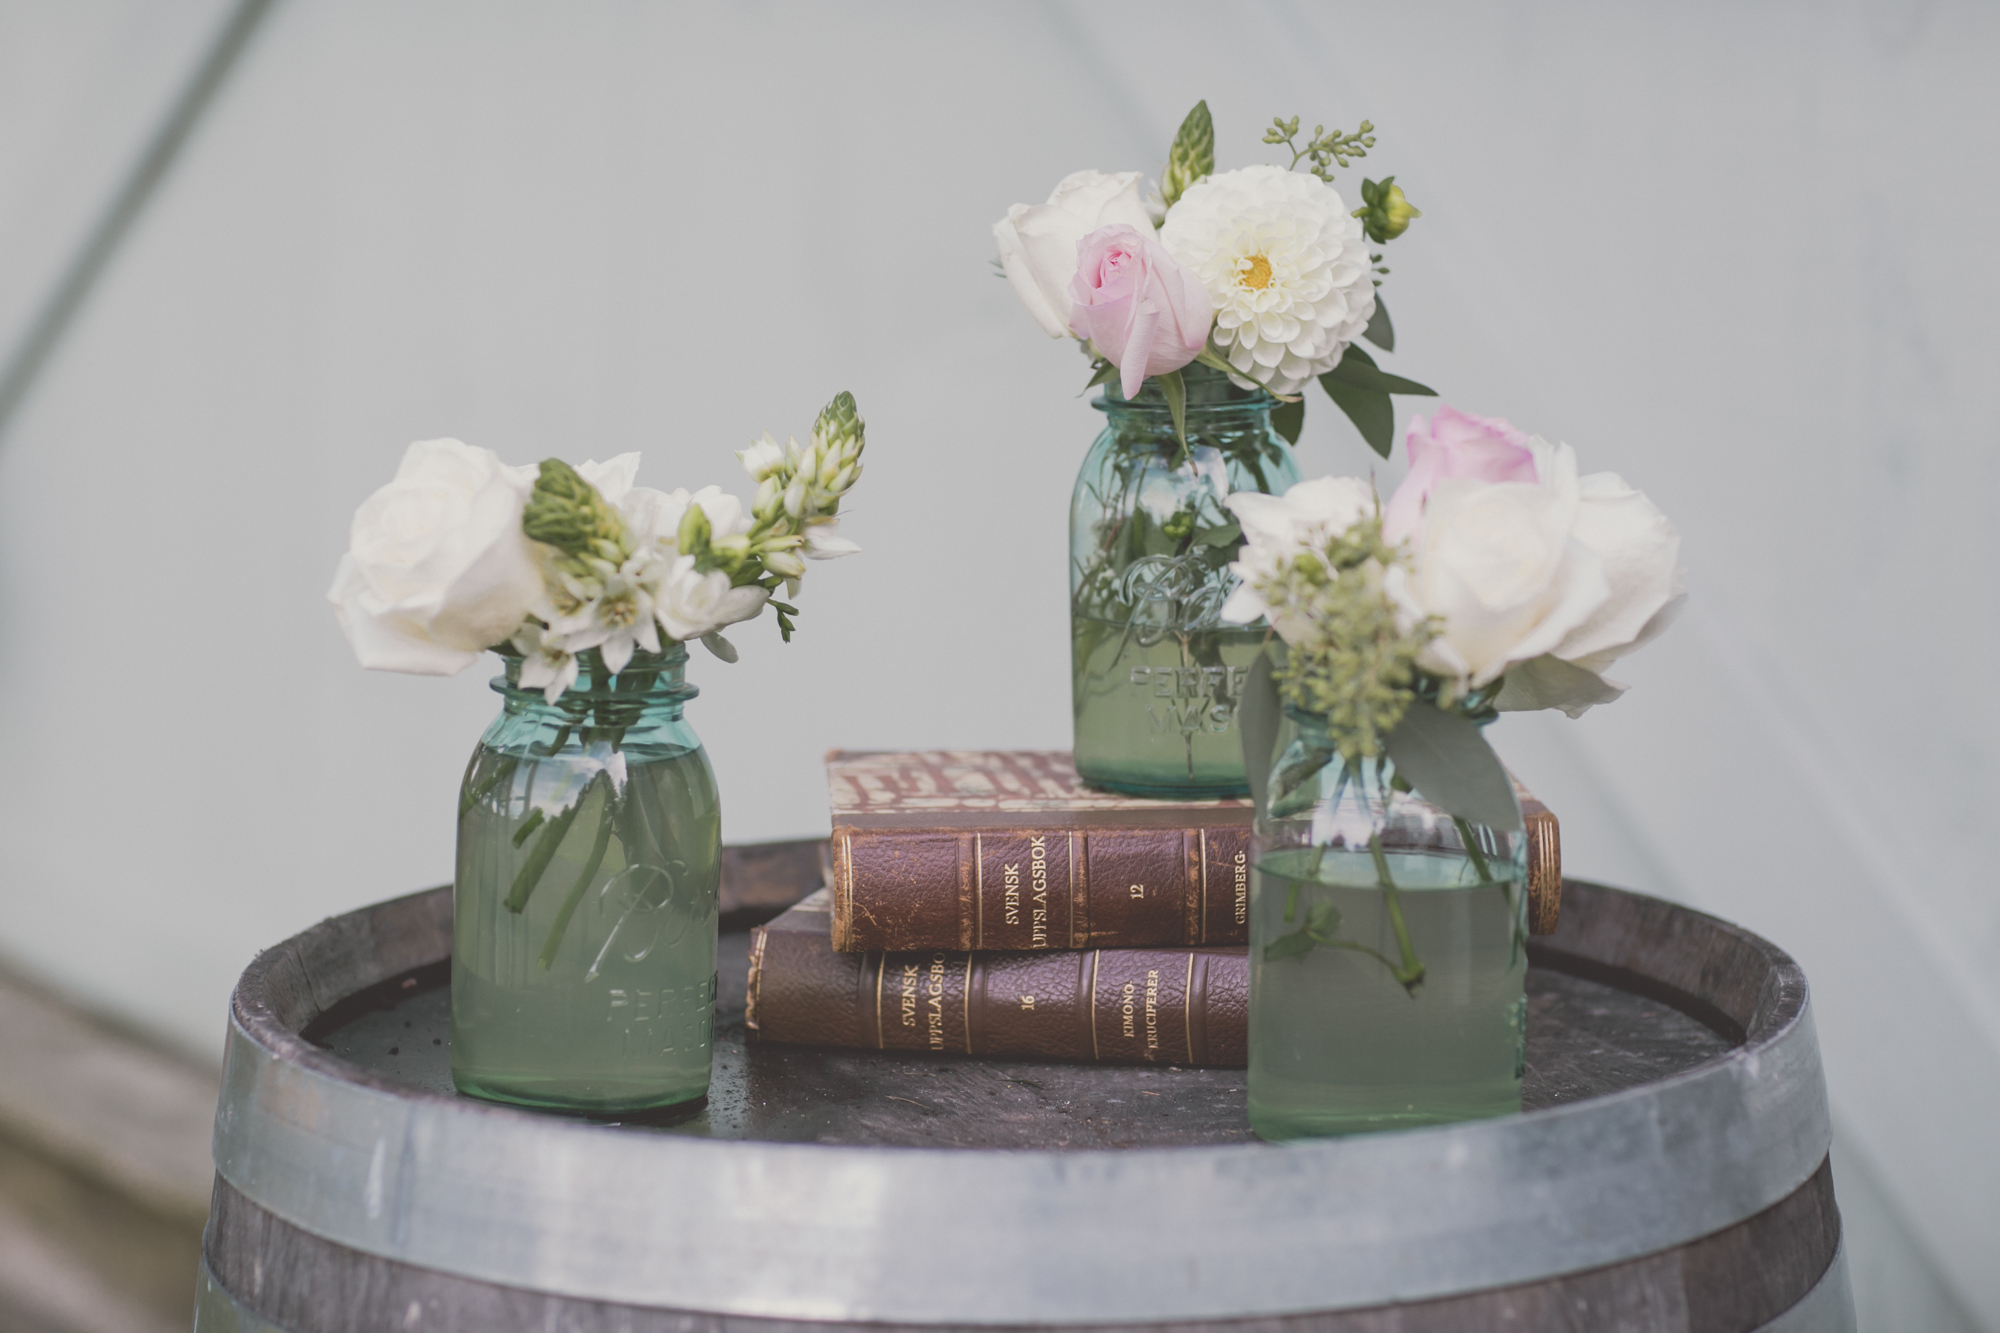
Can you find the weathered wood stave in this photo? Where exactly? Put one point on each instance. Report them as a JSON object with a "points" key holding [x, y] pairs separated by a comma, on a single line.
{"points": [[317, 1227]]}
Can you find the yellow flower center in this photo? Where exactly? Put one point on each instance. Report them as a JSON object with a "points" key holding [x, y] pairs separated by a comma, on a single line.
{"points": [[1258, 275]]}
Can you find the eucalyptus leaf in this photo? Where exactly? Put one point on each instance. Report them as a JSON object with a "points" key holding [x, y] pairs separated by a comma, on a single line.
{"points": [[1288, 419], [1175, 389], [1295, 785], [1225, 534], [1358, 368], [720, 646], [1369, 409], [1295, 945], [1257, 719], [1449, 763], [1380, 331]]}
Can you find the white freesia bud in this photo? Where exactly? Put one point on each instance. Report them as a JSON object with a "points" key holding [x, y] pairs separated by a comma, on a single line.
{"points": [[437, 568], [762, 458], [824, 542], [768, 494], [692, 604], [795, 498], [784, 563]]}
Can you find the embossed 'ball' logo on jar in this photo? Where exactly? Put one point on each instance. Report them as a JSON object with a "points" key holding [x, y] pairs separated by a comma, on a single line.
{"points": [[1174, 594], [640, 900]]}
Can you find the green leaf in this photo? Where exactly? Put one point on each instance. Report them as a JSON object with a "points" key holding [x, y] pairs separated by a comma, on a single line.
{"points": [[1369, 409], [1106, 372], [1214, 360], [1358, 368], [1380, 331], [1295, 945], [1224, 534], [1257, 718], [1449, 763], [721, 647], [1323, 919], [1175, 389], [1288, 419], [1192, 155]]}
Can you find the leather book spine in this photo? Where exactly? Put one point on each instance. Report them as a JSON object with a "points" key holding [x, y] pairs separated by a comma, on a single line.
{"points": [[1184, 1007], [1040, 889]]}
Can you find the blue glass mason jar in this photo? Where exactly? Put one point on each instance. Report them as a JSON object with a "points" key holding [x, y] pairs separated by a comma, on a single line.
{"points": [[1155, 675], [1388, 951], [584, 936]]}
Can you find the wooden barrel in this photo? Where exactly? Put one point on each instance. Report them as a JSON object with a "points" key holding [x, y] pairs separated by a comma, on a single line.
{"points": [[1670, 1171]]}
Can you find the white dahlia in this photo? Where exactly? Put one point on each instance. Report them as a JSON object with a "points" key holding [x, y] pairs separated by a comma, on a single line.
{"points": [[1285, 265]]}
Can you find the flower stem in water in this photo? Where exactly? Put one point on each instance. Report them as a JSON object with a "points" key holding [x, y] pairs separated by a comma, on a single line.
{"points": [[590, 865], [538, 859], [1411, 973]]}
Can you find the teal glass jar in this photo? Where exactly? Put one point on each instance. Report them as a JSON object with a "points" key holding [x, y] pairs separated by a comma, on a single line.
{"points": [[1387, 952], [584, 936], [1155, 675]]}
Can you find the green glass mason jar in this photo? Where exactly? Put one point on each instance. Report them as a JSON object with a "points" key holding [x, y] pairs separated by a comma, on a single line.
{"points": [[1387, 952], [1155, 675], [584, 937]]}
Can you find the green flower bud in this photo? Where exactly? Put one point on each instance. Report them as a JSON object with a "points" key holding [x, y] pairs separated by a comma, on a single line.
{"points": [[1385, 214], [695, 531], [566, 512]]}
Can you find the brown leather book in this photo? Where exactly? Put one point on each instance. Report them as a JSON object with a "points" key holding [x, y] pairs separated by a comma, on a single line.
{"points": [[1007, 849], [1116, 1006]]}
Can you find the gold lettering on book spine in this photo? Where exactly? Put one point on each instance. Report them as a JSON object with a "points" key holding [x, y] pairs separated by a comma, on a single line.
{"points": [[1152, 1014], [1127, 1009], [1038, 890], [934, 1005], [1242, 868], [907, 993]]}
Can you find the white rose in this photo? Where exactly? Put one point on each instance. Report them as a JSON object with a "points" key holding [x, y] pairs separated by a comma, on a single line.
{"points": [[1497, 563], [1547, 581], [1038, 241], [1278, 528], [690, 604], [1640, 551], [437, 568]]}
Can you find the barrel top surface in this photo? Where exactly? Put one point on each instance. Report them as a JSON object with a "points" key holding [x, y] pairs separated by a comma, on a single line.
{"points": [[1671, 1057], [1586, 1038]]}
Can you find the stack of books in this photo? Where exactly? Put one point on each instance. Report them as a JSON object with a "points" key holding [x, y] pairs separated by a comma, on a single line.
{"points": [[988, 903]]}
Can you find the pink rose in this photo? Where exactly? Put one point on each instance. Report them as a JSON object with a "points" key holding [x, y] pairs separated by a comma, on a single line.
{"points": [[1452, 444], [1144, 312]]}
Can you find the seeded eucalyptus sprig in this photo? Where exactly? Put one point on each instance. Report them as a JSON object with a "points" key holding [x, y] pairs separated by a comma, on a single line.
{"points": [[1324, 148], [1357, 665]]}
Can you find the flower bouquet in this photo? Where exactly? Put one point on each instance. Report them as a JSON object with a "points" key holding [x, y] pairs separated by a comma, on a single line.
{"points": [[1205, 311], [1388, 910], [589, 827]]}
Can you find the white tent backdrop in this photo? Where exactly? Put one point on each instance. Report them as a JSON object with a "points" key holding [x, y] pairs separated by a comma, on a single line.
{"points": [[1737, 253]]}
